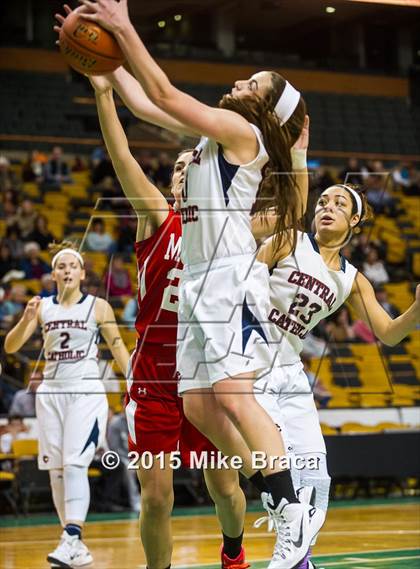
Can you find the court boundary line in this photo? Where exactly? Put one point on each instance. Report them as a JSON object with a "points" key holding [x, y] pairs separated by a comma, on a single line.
{"points": [[330, 559]]}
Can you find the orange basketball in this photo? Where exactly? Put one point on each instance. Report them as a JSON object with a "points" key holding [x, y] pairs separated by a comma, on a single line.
{"points": [[87, 47]]}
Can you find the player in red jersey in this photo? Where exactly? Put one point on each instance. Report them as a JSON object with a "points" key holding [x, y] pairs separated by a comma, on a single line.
{"points": [[154, 410]]}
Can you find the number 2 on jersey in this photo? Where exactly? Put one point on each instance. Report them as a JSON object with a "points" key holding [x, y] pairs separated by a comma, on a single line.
{"points": [[65, 341], [170, 293]]}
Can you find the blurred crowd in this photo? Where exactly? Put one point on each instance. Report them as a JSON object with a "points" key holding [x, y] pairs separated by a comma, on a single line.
{"points": [[26, 235]]}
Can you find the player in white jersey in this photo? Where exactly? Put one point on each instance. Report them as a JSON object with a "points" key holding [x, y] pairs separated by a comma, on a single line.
{"points": [[306, 286], [71, 403], [222, 336]]}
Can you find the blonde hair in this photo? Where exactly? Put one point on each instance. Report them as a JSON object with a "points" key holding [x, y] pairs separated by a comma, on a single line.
{"points": [[54, 248]]}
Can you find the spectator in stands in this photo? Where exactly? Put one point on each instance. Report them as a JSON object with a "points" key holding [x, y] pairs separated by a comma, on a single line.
{"points": [[362, 244], [7, 262], [127, 235], [117, 279], [15, 429], [24, 219], [48, 286], [102, 169], [41, 234], [339, 326], [23, 402], [8, 178], [33, 168], [57, 170], [97, 239], [15, 302], [33, 266], [382, 297], [9, 203], [14, 242], [413, 186], [374, 269], [110, 190], [378, 196], [130, 313], [98, 154], [164, 171], [78, 165], [353, 173], [92, 284]]}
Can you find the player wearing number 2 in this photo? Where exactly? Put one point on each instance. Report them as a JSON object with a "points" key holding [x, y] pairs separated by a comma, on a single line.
{"points": [[306, 286], [71, 404]]}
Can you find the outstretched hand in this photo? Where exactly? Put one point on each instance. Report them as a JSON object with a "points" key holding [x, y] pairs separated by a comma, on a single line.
{"points": [[60, 19], [302, 142], [111, 15]]}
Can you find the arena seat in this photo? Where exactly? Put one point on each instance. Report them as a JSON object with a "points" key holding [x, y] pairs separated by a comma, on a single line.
{"points": [[353, 428]]}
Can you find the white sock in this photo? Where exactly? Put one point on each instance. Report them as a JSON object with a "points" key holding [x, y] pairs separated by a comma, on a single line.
{"points": [[76, 492], [319, 479], [57, 488]]}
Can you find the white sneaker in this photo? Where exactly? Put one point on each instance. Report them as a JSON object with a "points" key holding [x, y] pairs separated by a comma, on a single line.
{"points": [[82, 555], [295, 525], [71, 552]]}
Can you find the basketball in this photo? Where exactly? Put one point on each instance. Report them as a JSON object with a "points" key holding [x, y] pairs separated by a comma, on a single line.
{"points": [[89, 48]]}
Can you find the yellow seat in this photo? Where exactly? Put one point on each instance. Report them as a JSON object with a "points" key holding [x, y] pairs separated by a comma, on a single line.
{"points": [[357, 428], [6, 476], [25, 447], [328, 430], [94, 473]]}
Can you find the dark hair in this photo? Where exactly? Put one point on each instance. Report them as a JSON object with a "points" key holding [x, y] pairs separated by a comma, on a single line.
{"points": [[14, 417], [276, 191], [367, 213]]}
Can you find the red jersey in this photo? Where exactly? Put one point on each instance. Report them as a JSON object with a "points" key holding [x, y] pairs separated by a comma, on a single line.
{"points": [[159, 271]]}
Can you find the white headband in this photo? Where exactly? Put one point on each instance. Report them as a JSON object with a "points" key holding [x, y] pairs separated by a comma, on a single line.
{"points": [[356, 197], [287, 103], [70, 251]]}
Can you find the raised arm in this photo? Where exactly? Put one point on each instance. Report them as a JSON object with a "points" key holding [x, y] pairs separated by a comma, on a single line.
{"points": [[109, 329], [24, 329], [135, 99], [221, 125], [145, 198], [133, 95], [389, 331]]}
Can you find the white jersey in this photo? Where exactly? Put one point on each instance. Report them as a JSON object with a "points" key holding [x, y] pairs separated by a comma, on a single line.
{"points": [[70, 339], [303, 291], [217, 199]]}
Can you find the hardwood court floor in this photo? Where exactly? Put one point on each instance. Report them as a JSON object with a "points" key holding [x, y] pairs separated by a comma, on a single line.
{"points": [[381, 536]]}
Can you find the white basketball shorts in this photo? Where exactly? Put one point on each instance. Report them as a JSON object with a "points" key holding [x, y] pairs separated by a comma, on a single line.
{"points": [[287, 397], [223, 328], [72, 422]]}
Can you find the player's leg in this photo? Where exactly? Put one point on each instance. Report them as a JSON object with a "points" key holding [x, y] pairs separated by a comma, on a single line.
{"points": [[49, 413], [287, 397], [201, 404], [84, 429], [229, 499], [157, 500]]}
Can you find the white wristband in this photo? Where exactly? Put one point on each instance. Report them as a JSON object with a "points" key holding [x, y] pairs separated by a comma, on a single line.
{"points": [[298, 158]]}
